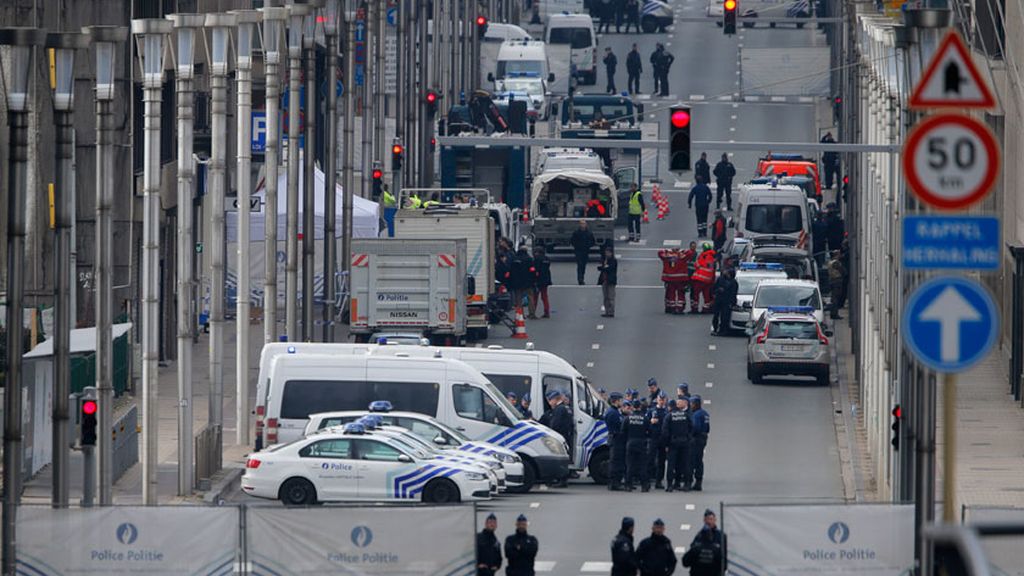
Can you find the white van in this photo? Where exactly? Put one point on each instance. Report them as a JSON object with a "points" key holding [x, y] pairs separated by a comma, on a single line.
{"points": [[497, 33], [455, 393], [521, 59], [576, 31], [570, 159], [776, 211]]}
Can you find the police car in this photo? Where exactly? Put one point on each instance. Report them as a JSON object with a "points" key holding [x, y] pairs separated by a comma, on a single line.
{"points": [[526, 86], [788, 340], [354, 464], [431, 431], [788, 293], [748, 276]]}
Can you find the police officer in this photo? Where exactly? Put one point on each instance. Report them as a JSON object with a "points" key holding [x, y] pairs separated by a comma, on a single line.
{"points": [[524, 407], [488, 549], [560, 420], [511, 397], [655, 555], [623, 555], [701, 429], [636, 429], [656, 444], [678, 432], [708, 554], [617, 462], [521, 550], [682, 391], [652, 390]]}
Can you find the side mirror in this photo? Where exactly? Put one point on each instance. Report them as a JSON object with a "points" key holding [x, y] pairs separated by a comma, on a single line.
{"points": [[405, 459], [828, 333], [440, 440], [551, 76], [747, 305], [470, 284], [490, 76], [729, 222], [749, 331]]}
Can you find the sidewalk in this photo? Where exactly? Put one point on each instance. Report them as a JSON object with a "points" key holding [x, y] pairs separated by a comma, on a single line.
{"points": [[128, 489]]}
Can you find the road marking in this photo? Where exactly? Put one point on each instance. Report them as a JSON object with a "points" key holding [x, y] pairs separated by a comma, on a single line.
{"points": [[712, 347], [691, 507], [778, 98], [724, 98], [534, 504], [735, 105], [733, 117], [595, 346], [681, 184], [671, 35], [684, 527], [709, 385], [596, 567], [737, 72], [623, 237], [753, 98], [667, 44], [672, 243], [544, 565], [643, 96], [806, 99], [739, 45], [680, 549], [732, 141], [706, 401], [590, 364], [543, 488], [711, 366], [696, 96], [732, 129], [600, 326], [478, 345]]}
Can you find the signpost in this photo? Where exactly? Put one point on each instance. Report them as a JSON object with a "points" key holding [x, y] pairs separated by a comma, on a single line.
{"points": [[950, 323], [950, 161], [259, 131], [951, 242], [952, 80]]}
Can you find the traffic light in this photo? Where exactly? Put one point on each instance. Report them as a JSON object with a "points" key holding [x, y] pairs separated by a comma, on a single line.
{"points": [[88, 408], [481, 26], [679, 138], [729, 10], [378, 183], [397, 152], [430, 99], [897, 415], [837, 107]]}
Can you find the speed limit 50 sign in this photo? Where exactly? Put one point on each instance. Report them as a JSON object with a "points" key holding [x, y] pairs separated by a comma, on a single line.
{"points": [[950, 161]]}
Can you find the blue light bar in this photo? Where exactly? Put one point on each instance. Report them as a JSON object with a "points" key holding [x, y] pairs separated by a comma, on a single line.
{"points": [[790, 156], [354, 428], [791, 309], [762, 266], [380, 406]]}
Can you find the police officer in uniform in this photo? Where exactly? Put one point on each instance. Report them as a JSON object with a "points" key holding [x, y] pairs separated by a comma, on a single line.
{"points": [[683, 391], [560, 420], [524, 407], [656, 444], [708, 554], [623, 555], [488, 549], [617, 460], [652, 390], [636, 429], [521, 550], [655, 555], [678, 432], [701, 429]]}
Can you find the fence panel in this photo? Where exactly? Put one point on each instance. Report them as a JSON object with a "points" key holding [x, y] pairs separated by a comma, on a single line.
{"points": [[1005, 553]]}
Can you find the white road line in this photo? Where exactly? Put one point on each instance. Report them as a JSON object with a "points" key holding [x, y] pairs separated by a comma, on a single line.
{"points": [[733, 117], [544, 565], [737, 72], [595, 346], [724, 98], [534, 504], [600, 326], [667, 44], [732, 129], [691, 507], [778, 98], [734, 105], [543, 488], [739, 45], [672, 243], [712, 347], [753, 98], [709, 384], [711, 366], [806, 99], [707, 401], [732, 141], [680, 550], [681, 184], [696, 96], [684, 527], [596, 567], [590, 364]]}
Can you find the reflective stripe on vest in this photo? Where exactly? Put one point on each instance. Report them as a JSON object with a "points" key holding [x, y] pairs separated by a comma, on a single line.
{"points": [[704, 275]]}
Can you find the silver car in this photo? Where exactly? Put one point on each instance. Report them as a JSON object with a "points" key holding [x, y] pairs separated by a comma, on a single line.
{"points": [[788, 341], [748, 276]]}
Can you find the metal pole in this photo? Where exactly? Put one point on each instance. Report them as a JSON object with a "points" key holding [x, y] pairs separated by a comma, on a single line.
{"points": [[379, 91], [104, 296], [346, 144], [331, 177], [924, 501], [949, 515], [63, 189], [426, 176], [366, 93], [291, 318], [308, 190], [272, 20]]}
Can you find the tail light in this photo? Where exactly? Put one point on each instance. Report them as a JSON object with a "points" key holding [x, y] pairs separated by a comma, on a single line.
{"points": [[475, 311], [526, 216], [252, 463], [821, 337], [595, 58], [260, 412], [763, 336], [271, 430]]}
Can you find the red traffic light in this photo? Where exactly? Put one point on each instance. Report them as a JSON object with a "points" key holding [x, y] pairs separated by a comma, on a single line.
{"points": [[89, 407], [730, 5], [431, 97], [481, 21], [897, 411], [846, 179], [378, 174], [680, 118], [397, 149]]}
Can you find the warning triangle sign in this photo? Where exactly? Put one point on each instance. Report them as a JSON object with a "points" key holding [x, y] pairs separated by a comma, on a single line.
{"points": [[951, 79]]}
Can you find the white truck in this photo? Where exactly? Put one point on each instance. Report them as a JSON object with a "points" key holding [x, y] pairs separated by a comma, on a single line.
{"points": [[475, 227], [559, 199], [409, 285]]}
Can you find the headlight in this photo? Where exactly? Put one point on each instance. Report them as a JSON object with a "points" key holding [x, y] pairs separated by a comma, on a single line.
{"points": [[475, 476], [554, 445], [504, 458]]}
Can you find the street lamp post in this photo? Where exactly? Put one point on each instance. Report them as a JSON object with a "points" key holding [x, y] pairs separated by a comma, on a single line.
{"points": [[151, 37], [309, 178], [296, 25], [185, 27], [273, 19], [331, 14], [15, 74], [247, 23], [220, 26], [64, 45]]}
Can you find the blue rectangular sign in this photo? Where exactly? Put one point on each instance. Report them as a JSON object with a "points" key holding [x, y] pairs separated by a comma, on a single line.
{"points": [[259, 131], [951, 242]]}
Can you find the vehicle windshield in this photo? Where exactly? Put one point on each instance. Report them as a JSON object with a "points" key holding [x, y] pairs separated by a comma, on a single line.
{"points": [[510, 411], [787, 295], [610, 112], [774, 219], [577, 38], [415, 451], [515, 67], [793, 330], [521, 85], [748, 283]]}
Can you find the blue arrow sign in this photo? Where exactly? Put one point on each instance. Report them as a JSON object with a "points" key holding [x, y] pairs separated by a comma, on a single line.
{"points": [[950, 323], [392, 15], [955, 242]]}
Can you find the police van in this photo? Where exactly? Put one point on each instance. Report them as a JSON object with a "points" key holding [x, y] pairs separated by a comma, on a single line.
{"points": [[304, 379]]}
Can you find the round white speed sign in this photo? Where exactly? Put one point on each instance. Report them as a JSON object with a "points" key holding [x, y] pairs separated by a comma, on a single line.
{"points": [[950, 161]]}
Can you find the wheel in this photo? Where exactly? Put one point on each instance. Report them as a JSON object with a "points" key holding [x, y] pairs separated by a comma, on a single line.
{"points": [[599, 466], [756, 376], [297, 492], [648, 24], [529, 477], [771, 24], [750, 372], [823, 378], [441, 491]]}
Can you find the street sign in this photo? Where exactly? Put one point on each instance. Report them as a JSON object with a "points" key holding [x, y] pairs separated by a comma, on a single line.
{"points": [[950, 161], [259, 131], [951, 79], [950, 323], [953, 242], [392, 15], [255, 204]]}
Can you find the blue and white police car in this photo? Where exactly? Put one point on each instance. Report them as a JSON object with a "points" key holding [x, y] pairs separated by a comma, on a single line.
{"points": [[358, 465], [748, 276]]}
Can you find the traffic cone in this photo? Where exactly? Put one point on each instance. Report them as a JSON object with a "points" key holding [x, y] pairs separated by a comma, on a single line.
{"points": [[520, 331], [646, 219]]}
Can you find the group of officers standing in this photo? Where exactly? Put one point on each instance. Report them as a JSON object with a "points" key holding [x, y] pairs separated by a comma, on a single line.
{"points": [[657, 441]]}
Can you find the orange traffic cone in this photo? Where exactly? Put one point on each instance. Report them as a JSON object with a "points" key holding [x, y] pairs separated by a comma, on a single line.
{"points": [[646, 219], [520, 331]]}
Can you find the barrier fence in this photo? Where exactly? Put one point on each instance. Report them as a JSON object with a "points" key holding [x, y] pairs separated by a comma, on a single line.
{"points": [[1005, 554], [257, 540]]}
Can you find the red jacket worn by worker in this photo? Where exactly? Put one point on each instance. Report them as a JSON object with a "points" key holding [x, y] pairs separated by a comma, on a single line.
{"points": [[705, 270], [673, 265]]}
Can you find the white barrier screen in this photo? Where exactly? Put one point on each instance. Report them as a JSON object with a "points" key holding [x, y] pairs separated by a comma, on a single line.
{"points": [[127, 540], [820, 539], [1005, 554], [427, 541]]}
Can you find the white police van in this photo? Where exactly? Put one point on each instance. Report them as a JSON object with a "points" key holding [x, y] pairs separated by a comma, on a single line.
{"points": [[354, 464], [430, 430], [310, 378]]}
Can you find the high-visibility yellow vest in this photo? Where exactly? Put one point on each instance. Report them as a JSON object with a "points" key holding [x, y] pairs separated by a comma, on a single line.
{"points": [[635, 209], [389, 200], [430, 203], [415, 202]]}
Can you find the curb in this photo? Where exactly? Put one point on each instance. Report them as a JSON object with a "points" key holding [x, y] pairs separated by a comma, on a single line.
{"points": [[222, 483]]}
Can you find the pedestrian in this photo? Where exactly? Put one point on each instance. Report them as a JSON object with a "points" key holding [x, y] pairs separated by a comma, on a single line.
{"points": [[634, 68], [512, 398], [725, 292], [656, 63], [837, 284], [636, 429], [700, 195], [620, 15], [701, 428], [637, 207], [610, 63], [542, 265], [708, 554], [633, 16], [701, 281], [561, 421], [608, 278], [524, 407], [521, 550], [652, 390], [718, 230], [503, 271], [656, 447], [613, 422], [522, 277], [607, 10], [724, 173], [488, 549], [675, 277], [690, 257], [830, 162], [682, 391], [655, 555], [678, 433], [701, 169], [819, 238], [666, 64], [623, 555], [582, 241], [836, 229]]}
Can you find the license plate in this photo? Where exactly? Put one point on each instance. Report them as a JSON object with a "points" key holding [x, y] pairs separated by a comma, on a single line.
{"points": [[792, 348]]}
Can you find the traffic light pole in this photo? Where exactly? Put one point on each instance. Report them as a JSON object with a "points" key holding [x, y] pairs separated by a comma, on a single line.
{"points": [[309, 190], [104, 291], [426, 165], [346, 145], [291, 273], [331, 178]]}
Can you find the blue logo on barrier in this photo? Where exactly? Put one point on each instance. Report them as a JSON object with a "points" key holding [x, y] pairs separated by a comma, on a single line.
{"points": [[362, 536], [127, 533], [838, 532]]}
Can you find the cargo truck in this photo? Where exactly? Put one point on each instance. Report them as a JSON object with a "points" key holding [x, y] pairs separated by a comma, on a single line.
{"points": [[409, 285], [561, 198]]}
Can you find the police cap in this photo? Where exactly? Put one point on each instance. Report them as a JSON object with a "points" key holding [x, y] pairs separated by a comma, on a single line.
{"points": [[521, 518]]}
